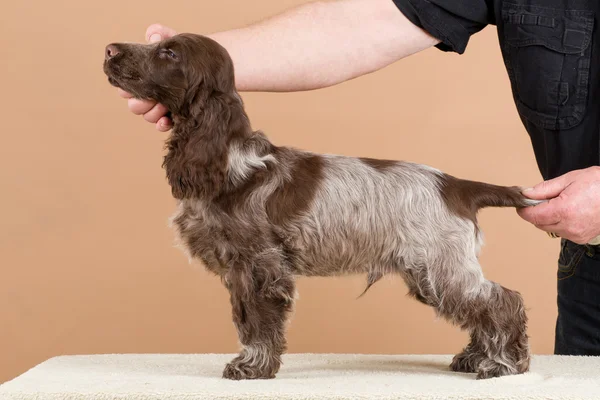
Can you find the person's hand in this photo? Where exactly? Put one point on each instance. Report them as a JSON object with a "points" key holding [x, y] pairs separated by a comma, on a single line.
{"points": [[573, 207], [151, 110]]}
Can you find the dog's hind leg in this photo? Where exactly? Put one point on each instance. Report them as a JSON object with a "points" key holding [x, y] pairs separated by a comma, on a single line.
{"points": [[262, 297], [497, 322], [501, 331], [469, 359], [493, 315]]}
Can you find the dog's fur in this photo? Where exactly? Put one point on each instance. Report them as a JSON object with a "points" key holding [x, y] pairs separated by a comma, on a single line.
{"points": [[257, 215]]}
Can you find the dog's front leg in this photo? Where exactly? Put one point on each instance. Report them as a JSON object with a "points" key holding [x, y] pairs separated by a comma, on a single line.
{"points": [[262, 297]]}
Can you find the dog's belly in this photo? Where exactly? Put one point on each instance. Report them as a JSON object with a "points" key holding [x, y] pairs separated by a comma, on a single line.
{"points": [[342, 252]]}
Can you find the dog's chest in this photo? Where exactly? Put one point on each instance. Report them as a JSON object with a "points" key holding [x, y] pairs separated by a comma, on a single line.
{"points": [[201, 235]]}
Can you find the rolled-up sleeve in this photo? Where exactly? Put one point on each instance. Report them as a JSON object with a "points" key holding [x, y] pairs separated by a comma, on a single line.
{"points": [[452, 22]]}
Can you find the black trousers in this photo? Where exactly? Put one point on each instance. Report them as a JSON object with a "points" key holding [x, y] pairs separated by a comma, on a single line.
{"points": [[578, 323]]}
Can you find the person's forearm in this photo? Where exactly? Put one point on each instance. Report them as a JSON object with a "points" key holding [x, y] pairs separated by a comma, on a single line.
{"points": [[309, 47], [321, 44]]}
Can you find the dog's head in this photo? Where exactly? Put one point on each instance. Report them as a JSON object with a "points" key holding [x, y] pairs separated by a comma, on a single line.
{"points": [[179, 72]]}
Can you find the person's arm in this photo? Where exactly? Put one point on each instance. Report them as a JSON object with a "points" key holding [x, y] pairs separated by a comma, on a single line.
{"points": [[312, 46], [321, 44]]}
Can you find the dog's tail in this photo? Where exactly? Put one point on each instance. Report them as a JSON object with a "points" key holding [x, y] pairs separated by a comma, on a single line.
{"points": [[470, 196], [487, 195]]}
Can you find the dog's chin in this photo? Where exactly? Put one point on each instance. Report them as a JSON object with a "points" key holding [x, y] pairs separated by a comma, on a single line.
{"points": [[112, 74], [120, 83], [124, 83], [114, 82], [119, 76]]}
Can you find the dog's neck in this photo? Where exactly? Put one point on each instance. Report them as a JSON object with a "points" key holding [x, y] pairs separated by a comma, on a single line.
{"points": [[224, 111], [198, 148]]}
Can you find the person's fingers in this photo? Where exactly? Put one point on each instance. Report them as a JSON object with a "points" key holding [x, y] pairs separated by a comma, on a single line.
{"points": [[554, 228], [139, 107], [124, 94], [157, 32], [164, 124], [559, 230], [548, 189], [549, 213], [566, 231], [155, 113]]}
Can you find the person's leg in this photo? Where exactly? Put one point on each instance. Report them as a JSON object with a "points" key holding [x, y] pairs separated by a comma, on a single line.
{"points": [[578, 322]]}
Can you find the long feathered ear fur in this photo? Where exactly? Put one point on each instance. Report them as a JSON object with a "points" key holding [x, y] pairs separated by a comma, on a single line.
{"points": [[196, 162]]}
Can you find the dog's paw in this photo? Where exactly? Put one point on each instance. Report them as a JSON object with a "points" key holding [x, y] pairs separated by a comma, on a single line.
{"points": [[461, 363], [466, 362], [238, 370], [490, 369]]}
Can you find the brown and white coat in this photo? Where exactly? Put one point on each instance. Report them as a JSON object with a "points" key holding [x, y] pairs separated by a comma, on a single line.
{"points": [[259, 215]]}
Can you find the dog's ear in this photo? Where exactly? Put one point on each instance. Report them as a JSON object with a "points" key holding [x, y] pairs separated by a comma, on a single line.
{"points": [[219, 71], [196, 162], [208, 69], [225, 76]]}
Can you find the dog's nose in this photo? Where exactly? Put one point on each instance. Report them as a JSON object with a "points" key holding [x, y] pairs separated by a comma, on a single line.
{"points": [[111, 51]]}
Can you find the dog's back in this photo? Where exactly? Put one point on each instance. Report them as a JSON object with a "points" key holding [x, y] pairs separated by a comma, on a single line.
{"points": [[381, 217]]}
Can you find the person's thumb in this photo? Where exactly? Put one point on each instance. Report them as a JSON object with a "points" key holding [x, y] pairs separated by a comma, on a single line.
{"points": [[156, 33], [548, 189]]}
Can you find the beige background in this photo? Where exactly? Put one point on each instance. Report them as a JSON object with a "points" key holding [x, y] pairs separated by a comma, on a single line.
{"points": [[87, 263]]}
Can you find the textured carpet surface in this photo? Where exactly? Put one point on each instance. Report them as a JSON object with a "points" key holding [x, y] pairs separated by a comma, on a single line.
{"points": [[303, 376]]}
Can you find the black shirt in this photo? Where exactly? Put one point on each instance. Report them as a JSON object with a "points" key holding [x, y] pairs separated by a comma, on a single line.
{"points": [[551, 50]]}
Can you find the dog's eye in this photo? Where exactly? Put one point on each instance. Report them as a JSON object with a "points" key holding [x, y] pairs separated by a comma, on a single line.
{"points": [[169, 53]]}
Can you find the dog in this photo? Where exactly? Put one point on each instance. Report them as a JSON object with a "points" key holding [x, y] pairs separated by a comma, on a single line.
{"points": [[259, 215]]}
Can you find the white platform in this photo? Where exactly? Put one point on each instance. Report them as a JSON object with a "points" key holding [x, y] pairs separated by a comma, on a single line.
{"points": [[303, 376]]}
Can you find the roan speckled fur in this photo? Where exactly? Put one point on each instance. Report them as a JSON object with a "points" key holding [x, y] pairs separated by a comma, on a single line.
{"points": [[258, 215]]}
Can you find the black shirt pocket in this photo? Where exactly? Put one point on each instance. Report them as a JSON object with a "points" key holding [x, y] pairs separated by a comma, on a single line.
{"points": [[547, 54]]}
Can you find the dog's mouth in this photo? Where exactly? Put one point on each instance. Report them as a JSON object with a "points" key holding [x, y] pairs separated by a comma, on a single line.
{"points": [[118, 76]]}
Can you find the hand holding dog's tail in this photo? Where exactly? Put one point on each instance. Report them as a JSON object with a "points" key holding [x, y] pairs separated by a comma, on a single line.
{"points": [[571, 209], [470, 196]]}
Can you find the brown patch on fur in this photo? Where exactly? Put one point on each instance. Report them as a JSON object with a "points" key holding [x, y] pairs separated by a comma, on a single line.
{"points": [[294, 197], [379, 165]]}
